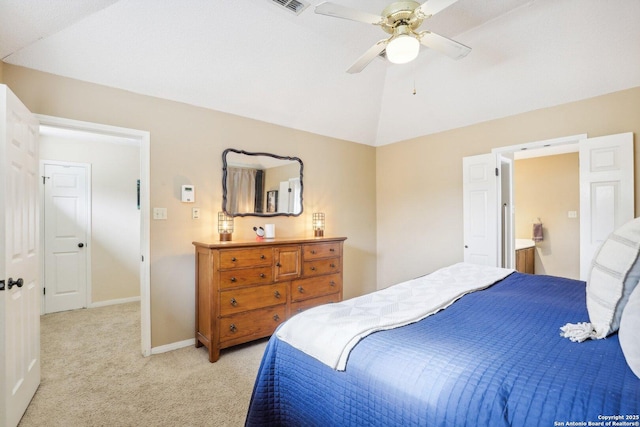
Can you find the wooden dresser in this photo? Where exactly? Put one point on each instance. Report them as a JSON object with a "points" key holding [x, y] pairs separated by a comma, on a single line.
{"points": [[245, 289]]}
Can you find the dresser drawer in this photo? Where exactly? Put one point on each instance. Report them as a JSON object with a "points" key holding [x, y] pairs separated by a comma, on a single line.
{"points": [[245, 277], [254, 324], [315, 287], [299, 307], [320, 250], [244, 299], [242, 258], [320, 267]]}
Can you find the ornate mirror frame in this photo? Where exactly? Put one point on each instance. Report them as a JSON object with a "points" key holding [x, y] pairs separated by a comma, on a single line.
{"points": [[225, 197]]}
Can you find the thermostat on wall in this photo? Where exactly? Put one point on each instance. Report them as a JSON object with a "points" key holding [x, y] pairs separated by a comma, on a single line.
{"points": [[188, 194]]}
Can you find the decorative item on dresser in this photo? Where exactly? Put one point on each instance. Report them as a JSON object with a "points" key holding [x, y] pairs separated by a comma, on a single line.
{"points": [[244, 290], [225, 226]]}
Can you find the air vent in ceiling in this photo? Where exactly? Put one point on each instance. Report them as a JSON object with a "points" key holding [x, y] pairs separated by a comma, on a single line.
{"points": [[294, 6]]}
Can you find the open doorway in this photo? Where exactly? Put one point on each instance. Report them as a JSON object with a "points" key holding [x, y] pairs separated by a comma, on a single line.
{"points": [[91, 219], [116, 154], [547, 192], [543, 185]]}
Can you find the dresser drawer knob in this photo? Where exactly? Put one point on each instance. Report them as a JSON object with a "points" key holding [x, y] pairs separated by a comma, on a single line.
{"points": [[301, 289], [278, 264], [276, 317], [233, 302], [332, 283], [313, 252], [332, 265], [332, 250], [276, 294], [299, 310], [262, 275], [233, 259], [233, 279], [232, 327], [313, 269]]}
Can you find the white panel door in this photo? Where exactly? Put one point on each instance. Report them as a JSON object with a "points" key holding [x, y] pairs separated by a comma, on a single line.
{"points": [[480, 210], [283, 197], [295, 196], [19, 263], [606, 191], [65, 233]]}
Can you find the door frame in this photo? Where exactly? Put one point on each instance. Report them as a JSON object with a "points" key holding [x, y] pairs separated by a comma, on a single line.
{"points": [[505, 201], [88, 288], [143, 138]]}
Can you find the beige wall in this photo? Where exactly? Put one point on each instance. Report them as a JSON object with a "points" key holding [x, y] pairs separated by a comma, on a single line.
{"points": [[186, 148], [115, 218], [400, 205], [548, 188], [419, 181]]}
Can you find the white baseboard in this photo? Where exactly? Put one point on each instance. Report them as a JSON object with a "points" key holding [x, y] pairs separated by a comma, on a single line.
{"points": [[173, 346], [113, 302]]}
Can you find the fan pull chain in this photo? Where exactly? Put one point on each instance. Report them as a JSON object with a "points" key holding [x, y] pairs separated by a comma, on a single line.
{"points": [[414, 78]]}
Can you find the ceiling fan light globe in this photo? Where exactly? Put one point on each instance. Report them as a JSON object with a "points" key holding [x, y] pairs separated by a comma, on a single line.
{"points": [[403, 49]]}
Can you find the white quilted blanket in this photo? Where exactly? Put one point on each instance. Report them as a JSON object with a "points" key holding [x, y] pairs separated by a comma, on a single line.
{"points": [[330, 331]]}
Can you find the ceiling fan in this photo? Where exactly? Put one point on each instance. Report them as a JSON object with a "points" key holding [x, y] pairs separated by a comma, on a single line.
{"points": [[402, 20]]}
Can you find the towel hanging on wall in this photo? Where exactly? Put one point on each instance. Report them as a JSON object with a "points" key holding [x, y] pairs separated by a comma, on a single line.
{"points": [[537, 232]]}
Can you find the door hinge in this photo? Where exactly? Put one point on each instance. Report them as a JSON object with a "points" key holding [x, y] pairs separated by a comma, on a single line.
{"points": [[45, 178], [497, 174], [1, 285], [142, 256], [44, 291]]}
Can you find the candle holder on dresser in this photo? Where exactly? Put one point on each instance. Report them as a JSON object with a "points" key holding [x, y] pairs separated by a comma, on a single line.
{"points": [[318, 224], [225, 226]]}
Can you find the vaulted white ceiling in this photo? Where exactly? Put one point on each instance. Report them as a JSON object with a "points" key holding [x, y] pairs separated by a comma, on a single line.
{"points": [[255, 59]]}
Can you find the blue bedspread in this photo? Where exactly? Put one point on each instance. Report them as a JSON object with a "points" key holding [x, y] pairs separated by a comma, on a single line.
{"points": [[494, 358]]}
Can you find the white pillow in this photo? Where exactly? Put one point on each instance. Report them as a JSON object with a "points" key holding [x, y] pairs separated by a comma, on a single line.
{"points": [[615, 273], [629, 332]]}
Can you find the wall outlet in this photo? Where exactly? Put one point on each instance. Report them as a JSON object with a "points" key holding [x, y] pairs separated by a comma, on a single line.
{"points": [[159, 213], [572, 214], [195, 213]]}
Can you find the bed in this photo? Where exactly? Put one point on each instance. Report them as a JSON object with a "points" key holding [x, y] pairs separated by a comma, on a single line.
{"points": [[494, 357], [500, 349]]}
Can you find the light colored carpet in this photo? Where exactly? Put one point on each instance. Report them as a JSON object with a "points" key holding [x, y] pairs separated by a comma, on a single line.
{"points": [[93, 374]]}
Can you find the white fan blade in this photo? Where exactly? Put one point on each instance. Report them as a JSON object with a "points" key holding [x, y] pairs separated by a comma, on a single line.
{"points": [[449, 47], [368, 56], [431, 7], [337, 11]]}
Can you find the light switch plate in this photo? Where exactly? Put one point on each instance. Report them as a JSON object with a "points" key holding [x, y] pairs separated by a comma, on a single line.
{"points": [[159, 213]]}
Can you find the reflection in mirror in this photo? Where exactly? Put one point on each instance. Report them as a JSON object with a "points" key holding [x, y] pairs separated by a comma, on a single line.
{"points": [[261, 184]]}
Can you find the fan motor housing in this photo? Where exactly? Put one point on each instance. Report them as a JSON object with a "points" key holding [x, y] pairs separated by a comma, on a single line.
{"points": [[401, 13]]}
